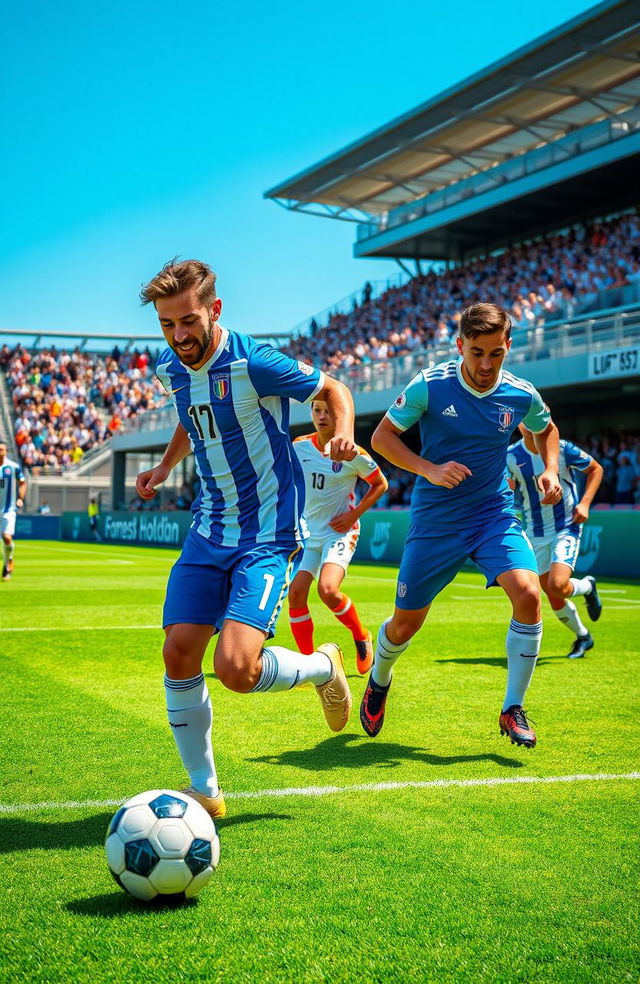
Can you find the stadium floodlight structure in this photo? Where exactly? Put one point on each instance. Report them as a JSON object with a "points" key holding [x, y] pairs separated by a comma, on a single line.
{"points": [[538, 140]]}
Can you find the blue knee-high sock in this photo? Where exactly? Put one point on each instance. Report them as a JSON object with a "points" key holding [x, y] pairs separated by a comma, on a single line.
{"points": [[190, 716], [523, 649]]}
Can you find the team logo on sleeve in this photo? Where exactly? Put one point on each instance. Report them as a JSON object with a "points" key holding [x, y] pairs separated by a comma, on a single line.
{"points": [[505, 418], [304, 368], [401, 401], [220, 386], [336, 466], [402, 589]]}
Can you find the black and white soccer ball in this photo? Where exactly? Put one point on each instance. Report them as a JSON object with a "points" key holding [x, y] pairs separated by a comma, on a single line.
{"points": [[162, 843]]}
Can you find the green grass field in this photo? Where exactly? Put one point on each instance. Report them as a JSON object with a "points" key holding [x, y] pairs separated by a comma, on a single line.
{"points": [[510, 882]]}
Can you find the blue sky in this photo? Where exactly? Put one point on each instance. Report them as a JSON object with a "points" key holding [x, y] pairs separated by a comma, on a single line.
{"points": [[136, 131]]}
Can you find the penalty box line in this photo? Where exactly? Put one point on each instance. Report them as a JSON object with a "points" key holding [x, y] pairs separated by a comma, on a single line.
{"points": [[376, 787]]}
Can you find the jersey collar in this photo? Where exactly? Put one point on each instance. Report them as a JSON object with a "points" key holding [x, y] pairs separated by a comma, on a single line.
{"points": [[224, 338], [470, 389]]}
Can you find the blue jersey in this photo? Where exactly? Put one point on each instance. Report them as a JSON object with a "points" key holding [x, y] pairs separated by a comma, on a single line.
{"points": [[459, 423], [11, 475], [235, 409], [525, 468]]}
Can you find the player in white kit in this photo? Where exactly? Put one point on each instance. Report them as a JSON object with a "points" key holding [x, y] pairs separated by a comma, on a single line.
{"points": [[13, 489], [332, 518]]}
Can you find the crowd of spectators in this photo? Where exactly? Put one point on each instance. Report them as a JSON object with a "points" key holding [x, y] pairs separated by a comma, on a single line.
{"points": [[554, 277], [66, 403], [619, 454]]}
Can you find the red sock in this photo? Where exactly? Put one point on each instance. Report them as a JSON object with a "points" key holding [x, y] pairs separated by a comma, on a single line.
{"points": [[302, 629], [347, 614]]}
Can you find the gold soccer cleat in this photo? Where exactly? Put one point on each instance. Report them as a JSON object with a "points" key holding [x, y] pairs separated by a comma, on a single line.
{"points": [[334, 695], [214, 805]]}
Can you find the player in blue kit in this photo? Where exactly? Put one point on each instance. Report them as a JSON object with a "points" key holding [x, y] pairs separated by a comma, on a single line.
{"points": [[555, 531], [462, 506], [13, 489], [231, 396]]}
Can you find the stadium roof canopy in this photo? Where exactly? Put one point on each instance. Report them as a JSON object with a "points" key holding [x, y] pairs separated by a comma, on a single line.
{"points": [[583, 74]]}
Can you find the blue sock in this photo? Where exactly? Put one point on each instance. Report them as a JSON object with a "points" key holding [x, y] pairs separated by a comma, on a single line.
{"points": [[284, 669], [190, 717], [523, 649]]}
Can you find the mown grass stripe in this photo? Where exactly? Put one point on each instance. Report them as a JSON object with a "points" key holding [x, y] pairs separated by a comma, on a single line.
{"points": [[375, 787]]}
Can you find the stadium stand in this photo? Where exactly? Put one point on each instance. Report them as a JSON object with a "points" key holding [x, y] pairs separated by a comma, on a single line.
{"points": [[67, 403], [554, 277]]}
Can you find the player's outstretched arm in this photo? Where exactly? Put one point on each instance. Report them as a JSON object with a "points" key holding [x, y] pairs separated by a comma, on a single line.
{"points": [[548, 445], [386, 440], [593, 474], [178, 448], [335, 394]]}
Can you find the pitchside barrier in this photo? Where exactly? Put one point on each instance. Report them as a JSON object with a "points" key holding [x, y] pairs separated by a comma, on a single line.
{"points": [[610, 542]]}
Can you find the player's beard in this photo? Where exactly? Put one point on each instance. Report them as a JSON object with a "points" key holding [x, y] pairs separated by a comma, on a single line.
{"points": [[201, 347]]}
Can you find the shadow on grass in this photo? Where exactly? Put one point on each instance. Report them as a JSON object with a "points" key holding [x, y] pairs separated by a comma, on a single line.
{"points": [[356, 752], [19, 834], [112, 905], [500, 661]]}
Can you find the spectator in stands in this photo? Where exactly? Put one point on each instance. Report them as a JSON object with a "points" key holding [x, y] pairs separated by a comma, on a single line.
{"points": [[626, 480]]}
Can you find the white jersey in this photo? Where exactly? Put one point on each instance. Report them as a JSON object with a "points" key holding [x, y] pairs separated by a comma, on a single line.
{"points": [[11, 475], [329, 485]]}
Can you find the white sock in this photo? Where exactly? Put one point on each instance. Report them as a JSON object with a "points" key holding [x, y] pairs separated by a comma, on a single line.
{"points": [[190, 717], [386, 654], [523, 649], [580, 586], [569, 617], [7, 550], [284, 669]]}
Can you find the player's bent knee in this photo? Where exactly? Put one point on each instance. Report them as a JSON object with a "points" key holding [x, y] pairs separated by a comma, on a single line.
{"points": [[239, 672], [526, 601], [329, 596]]}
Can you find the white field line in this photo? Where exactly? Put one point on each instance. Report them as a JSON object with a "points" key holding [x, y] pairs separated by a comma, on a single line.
{"points": [[77, 628], [377, 787], [626, 601]]}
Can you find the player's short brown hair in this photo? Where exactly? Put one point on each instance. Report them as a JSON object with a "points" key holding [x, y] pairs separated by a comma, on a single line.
{"points": [[484, 319], [174, 278]]}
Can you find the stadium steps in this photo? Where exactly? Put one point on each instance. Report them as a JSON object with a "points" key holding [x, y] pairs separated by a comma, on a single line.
{"points": [[6, 418]]}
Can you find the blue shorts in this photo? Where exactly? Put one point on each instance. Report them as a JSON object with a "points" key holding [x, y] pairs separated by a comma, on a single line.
{"points": [[432, 558], [208, 584]]}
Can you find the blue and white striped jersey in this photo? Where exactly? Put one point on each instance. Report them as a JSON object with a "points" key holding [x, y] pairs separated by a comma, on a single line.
{"points": [[525, 468], [11, 475], [459, 423], [235, 409]]}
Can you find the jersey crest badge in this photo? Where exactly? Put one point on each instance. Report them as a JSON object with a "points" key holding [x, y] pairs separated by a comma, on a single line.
{"points": [[400, 401], [505, 418], [220, 386], [336, 466], [304, 368]]}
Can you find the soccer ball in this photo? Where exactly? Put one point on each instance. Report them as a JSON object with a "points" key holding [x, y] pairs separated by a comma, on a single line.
{"points": [[162, 843]]}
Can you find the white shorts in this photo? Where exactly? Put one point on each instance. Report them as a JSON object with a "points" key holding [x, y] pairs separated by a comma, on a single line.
{"points": [[558, 548], [8, 523], [337, 549]]}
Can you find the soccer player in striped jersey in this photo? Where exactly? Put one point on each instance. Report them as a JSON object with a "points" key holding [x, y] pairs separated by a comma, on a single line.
{"points": [[13, 489], [332, 518], [555, 531], [462, 506], [232, 396]]}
